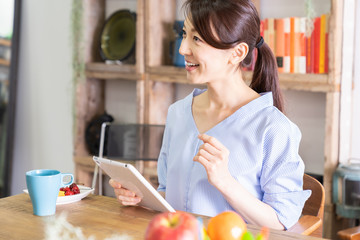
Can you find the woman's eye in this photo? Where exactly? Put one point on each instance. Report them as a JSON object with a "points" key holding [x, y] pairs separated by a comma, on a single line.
{"points": [[183, 33], [196, 39]]}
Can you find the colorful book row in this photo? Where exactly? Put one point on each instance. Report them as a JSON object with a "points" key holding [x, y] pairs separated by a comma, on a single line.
{"points": [[296, 51]]}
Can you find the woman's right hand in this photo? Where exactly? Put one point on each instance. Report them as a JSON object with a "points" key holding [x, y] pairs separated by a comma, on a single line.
{"points": [[124, 196]]}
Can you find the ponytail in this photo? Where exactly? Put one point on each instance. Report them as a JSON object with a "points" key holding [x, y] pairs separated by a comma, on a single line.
{"points": [[265, 77]]}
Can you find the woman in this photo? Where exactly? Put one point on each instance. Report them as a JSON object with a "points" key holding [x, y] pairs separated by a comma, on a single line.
{"points": [[229, 147]]}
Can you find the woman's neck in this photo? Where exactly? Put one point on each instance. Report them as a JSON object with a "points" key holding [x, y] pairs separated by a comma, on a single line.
{"points": [[230, 94]]}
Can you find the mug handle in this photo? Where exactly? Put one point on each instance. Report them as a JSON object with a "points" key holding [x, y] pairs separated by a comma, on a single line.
{"points": [[62, 179]]}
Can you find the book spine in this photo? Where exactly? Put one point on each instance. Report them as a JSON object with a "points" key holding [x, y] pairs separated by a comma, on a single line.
{"points": [[308, 54], [266, 31], [297, 45], [271, 34], [326, 70], [280, 43], [312, 52], [302, 46], [322, 44], [286, 45], [316, 44], [292, 44]]}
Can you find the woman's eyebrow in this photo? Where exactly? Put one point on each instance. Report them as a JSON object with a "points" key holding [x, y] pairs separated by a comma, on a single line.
{"points": [[191, 30]]}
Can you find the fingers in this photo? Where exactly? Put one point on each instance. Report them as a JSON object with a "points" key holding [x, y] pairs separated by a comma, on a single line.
{"points": [[128, 200], [114, 183], [124, 192], [126, 197], [208, 148], [201, 160], [211, 140]]}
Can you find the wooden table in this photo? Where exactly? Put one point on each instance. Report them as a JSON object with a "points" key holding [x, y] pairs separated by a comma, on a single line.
{"points": [[97, 216]]}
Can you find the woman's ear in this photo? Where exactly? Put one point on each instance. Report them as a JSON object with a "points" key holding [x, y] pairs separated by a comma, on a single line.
{"points": [[239, 52]]}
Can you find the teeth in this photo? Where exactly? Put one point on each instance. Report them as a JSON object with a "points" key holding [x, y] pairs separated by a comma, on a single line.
{"points": [[191, 64]]}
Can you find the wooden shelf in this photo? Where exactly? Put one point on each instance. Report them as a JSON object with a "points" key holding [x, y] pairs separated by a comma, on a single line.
{"points": [[306, 82], [5, 42], [112, 71], [5, 82], [172, 74], [4, 62]]}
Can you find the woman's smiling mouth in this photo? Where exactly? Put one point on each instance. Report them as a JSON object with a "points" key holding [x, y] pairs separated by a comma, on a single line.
{"points": [[190, 66]]}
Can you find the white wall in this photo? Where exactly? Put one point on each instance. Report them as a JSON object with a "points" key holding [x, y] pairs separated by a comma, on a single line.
{"points": [[6, 18], [43, 134]]}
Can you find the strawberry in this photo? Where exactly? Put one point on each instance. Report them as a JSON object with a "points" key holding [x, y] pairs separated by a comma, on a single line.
{"points": [[68, 193], [70, 190]]}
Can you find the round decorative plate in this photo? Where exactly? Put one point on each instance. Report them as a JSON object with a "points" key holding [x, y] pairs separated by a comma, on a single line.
{"points": [[118, 36]]}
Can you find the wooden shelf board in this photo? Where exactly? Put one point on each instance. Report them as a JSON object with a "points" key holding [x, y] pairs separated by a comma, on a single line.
{"points": [[4, 62], [112, 71], [5, 82], [5, 42], [306, 82], [172, 74]]}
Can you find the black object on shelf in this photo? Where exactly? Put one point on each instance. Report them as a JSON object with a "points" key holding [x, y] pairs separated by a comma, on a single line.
{"points": [[93, 131]]}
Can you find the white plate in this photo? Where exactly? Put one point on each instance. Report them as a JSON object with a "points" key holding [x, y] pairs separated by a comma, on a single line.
{"points": [[84, 191]]}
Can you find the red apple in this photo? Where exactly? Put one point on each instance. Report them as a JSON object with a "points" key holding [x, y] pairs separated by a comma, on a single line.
{"points": [[175, 226]]}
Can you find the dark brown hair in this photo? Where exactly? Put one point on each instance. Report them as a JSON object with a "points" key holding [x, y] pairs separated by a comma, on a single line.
{"points": [[236, 21]]}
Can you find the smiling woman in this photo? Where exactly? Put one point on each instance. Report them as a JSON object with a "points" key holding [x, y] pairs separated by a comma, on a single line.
{"points": [[9, 47], [229, 147]]}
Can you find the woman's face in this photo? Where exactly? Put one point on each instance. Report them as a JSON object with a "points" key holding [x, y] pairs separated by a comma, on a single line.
{"points": [[204, 63]]}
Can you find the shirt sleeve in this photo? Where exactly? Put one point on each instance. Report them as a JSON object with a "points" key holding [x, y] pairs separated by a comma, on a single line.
{"points": [[282, 173]]}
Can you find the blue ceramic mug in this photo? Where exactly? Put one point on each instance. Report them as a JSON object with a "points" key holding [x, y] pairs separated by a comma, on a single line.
{"points": [[43, 186]]}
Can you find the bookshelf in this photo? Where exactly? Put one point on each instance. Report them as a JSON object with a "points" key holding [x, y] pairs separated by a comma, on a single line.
{"points": [[156, 81], [5, 43]]}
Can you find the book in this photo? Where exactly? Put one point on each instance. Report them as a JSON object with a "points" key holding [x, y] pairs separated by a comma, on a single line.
{"points": [[316, 44], [286, 45], [322, 43], [280, 43], [310, 52], [302, 46], [292, 44], [262, 28], [271, 34], [266, 30], [297, 44], [327, 45]]}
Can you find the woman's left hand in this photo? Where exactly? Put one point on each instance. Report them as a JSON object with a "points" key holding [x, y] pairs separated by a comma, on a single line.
{"points": [[214, 157]]}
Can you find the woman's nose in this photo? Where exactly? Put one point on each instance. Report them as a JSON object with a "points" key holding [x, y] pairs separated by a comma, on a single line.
{"points": [[184, 49]]}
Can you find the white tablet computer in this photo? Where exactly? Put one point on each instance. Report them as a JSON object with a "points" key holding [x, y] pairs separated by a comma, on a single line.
{"points": [[131, 179]]}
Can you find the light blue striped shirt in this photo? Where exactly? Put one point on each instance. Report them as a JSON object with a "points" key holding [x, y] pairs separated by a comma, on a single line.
{"points": [[264, 158]]}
